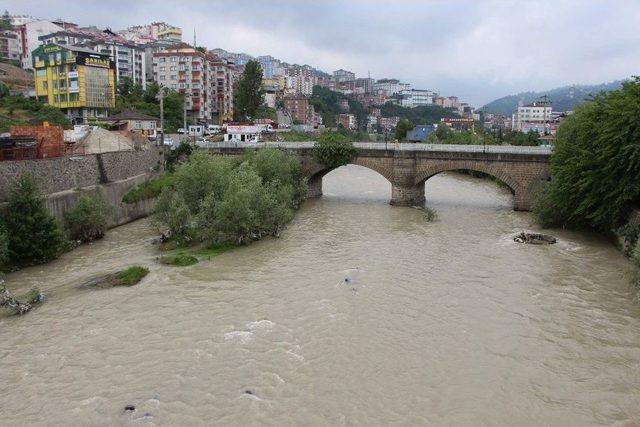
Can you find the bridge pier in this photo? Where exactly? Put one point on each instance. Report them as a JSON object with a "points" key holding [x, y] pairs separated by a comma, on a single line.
{"points": [[314, 187], [521, 201], [407, 195]]}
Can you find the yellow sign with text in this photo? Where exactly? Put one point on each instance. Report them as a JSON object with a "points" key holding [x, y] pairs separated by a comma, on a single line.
{"points": [[97, 62]]}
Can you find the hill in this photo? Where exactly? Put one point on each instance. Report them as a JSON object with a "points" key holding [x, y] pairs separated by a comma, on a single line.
{"points": [[563, 98]]}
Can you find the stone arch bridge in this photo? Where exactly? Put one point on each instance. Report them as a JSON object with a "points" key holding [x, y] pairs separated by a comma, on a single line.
{"points": [[408, 166]]}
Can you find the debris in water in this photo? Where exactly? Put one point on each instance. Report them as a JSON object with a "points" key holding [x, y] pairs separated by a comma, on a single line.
{"points": [[129, 408], [248, 392], [534, 238]]}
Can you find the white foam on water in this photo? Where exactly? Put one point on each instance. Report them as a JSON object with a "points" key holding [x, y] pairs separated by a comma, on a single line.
{"points": [[260, 324], [242, 336]]}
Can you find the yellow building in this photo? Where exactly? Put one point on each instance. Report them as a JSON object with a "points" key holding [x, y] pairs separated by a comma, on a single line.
{"points": [[81, 82]]}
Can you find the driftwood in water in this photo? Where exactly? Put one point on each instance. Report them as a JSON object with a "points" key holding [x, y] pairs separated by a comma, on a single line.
{"points": [[534, 238], [19, 307]]}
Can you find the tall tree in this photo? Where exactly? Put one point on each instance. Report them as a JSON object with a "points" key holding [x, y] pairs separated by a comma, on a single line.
{"points": [[248, 94]]}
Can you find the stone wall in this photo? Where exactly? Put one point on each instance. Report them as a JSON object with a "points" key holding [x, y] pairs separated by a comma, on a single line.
{"points": [[58, 174], [112, 193]]}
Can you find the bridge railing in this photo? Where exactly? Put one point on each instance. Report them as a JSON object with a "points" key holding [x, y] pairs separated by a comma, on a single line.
{"points": [[497, 149]]}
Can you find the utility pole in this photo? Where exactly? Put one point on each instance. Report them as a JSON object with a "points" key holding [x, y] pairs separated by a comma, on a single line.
{"points": [[160, 96]]}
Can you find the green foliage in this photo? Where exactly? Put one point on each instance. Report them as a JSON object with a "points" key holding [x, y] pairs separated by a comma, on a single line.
{"points": [[181, 153], [218, 199], [34, 235], [402, 128], [520, 138], [5, 21], [130, 95], [248, 95], [149, 189], [425, 114], [265, 112], [33, 112], [87, 220], [130, 276], [445, 135], [333, 151], [596, 163], [179, 260]]}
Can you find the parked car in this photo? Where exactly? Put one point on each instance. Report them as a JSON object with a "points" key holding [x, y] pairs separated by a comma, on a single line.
{"points": [[181, 130], [168, 141]]}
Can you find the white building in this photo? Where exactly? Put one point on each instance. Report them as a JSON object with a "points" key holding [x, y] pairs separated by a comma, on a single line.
{"points": [[343, 76], [530, 115], [9, 46], [416, 97], [391, 86], [28, 38], [151, 32]]}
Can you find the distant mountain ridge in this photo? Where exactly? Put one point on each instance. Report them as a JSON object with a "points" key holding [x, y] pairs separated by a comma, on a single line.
{"points": [[562, 99]]}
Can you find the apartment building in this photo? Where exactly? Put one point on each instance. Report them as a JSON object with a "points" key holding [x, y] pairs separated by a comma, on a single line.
{"points": [[142, 34], [343, 76], [536, 115], [299, 80], [391, 86], [129, 58], [9, 46], [79, 81], [412, 98], [298, 108], [347, 120], [28, 38], [204, 80]]}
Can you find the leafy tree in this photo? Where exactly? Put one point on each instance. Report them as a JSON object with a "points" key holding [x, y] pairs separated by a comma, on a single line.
{"points": [[34, 235], [172, 211], [402, 128], [248, 95], [265, 112], [333, 150], [5, 21], [87, 220], [596, 163], [277, 167]]}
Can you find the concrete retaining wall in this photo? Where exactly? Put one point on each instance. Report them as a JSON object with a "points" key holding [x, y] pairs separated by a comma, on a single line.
{"points": [[64, 173], [121, 213]]}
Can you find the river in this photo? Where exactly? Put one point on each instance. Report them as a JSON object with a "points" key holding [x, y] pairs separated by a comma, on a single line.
{"points": [[360, 314]]}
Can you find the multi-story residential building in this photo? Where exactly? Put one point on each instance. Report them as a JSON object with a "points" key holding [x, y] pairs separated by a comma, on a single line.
{"points": [[391, 86], [79, 81], [298, 108], [204, 80], [348, 121], [271, 67], [388, 123], [128, 57], [343, 76], [416, 97], [151, 48], [28, 34], [9, 46], [364, 85], [186, 70], [534, 115], [142, 34], [299, 80]]}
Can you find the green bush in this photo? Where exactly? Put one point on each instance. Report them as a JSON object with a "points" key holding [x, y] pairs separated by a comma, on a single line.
{"points": [[130, 276], [217, 199], [87, 220], [33, 233], [149, 189], [179, 260], [333, 151], [596, 162]]}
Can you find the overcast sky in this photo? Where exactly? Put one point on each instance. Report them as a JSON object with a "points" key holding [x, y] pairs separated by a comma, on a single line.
{"points": [[479, 50]]}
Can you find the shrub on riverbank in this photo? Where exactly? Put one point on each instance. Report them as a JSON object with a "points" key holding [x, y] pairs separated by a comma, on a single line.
{"points": [[149, 189], [218, 199], [596, 163], [333, 150], [4, 246], [87, 220], [34, 236]]}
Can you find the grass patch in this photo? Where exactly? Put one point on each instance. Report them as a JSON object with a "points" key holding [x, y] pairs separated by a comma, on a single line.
{"points": [[430, 214], [179, 260], [130, 276], [148, 189], [215, 250]]}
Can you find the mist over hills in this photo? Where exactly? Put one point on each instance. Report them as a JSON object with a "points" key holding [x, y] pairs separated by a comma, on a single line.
{"points": [[562, 99]]}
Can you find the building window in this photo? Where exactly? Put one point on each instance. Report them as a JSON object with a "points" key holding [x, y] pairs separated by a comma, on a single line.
{"points": [[163, 68], [161, 59], [137, 124], [45, 85], [173, 59], [162, 77], [41, 72]]}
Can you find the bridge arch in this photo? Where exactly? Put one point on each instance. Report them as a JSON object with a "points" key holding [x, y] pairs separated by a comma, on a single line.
{"points": [[423, 174], [314, 182]]}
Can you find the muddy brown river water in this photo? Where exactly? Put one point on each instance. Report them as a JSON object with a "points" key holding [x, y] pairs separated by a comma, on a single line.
{"points": [[360, 314]]}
